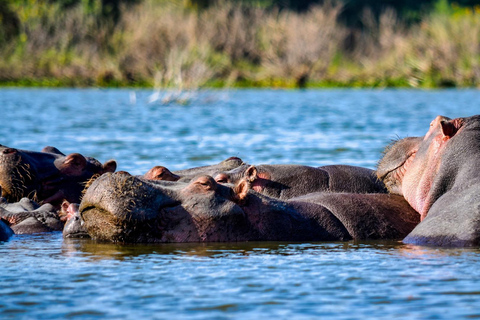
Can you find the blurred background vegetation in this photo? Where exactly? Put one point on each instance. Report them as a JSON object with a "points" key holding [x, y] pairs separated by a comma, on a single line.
{"points": [[189, 44]]}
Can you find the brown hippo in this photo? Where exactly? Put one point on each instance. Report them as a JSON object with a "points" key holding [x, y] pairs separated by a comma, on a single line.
{"points": [[161, 173], [26, 216], [123, 208], [48, 176], [225, 165], [287, 181], [439, 176]]}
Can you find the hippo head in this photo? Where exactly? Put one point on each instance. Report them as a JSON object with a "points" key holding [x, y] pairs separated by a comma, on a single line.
{"points": [[124, 208], [442, 183], [223, 166], [20, 174], [448, 155], [425, 169], [235, 175], [47, 176], [74, 224]]}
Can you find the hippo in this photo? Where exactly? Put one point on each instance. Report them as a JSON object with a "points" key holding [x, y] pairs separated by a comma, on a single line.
{"points": [[396, 157], [438, 175], [74, 224], [288, 181], [128, 209], [48, 176], [161, 173], [26, 216], [285, 181]]}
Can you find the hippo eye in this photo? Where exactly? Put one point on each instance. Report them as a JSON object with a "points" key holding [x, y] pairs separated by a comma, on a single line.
{"points": [[222, 180]]}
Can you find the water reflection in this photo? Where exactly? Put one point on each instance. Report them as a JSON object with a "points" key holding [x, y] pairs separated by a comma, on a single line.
{"points": [[100, 250], [425, 252]]}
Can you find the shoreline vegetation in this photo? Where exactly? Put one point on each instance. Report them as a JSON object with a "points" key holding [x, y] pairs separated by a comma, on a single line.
{"points": [[168, 44]]}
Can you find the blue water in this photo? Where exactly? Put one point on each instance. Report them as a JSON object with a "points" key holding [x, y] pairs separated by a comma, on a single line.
{"points": [[46, 277]]}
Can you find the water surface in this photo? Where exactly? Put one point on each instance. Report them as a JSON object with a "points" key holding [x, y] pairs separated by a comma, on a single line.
{"points": [[45, 277]]}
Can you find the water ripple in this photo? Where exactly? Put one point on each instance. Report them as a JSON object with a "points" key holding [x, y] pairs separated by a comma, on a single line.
{"points": [[45, 277]]}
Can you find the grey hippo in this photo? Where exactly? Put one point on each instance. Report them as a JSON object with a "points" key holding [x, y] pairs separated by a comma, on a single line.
{"points": [[124, 208], [439, 176]]}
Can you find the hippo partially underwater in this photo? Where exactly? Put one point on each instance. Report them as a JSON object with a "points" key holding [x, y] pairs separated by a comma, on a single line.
{"points": [[433, 196], [48, 176], [26, 216], [439, 176], [123, 208], [287, 181], [162, 173], [283, 181]]}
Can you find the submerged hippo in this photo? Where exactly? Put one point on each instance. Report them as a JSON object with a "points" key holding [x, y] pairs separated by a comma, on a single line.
{"points": [[288, 181], [74, 225], [48, 176], [26, 216], [439, 176], [161, 173], [123, 208]]}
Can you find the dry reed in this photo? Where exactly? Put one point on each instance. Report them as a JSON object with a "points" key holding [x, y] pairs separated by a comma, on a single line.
{"points": [[163, 44]]}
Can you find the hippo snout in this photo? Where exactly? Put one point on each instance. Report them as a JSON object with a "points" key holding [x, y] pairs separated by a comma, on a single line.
{"points": [[115, 205]]}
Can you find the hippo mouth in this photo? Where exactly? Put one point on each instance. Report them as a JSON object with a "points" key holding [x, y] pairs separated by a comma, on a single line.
{"points": [[101, 223], [128, 225], [16, 185]]}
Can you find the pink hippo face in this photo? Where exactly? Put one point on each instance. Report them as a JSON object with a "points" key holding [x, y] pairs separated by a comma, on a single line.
{"points": [[420, 182]]}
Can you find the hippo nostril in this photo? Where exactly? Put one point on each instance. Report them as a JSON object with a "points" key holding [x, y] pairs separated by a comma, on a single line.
{"points": [[76, 218], [9, 150]]}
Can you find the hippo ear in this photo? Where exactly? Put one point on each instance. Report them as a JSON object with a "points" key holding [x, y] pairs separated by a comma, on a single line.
{"points": [[241, 191], [65, 205], [251, 173], [64, 210], [109, 166], [50, 149], [448, 129], [73, 164]]}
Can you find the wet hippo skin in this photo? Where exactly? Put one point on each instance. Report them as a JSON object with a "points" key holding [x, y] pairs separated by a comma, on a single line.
{"points": [[290, 181], [48, 176], [440, 178], [123, 208]]}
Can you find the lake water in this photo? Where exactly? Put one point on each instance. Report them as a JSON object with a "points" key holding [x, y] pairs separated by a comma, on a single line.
{"points": [[46, 277]]}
